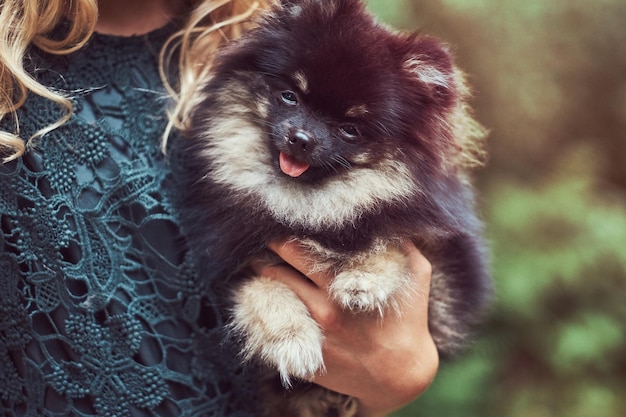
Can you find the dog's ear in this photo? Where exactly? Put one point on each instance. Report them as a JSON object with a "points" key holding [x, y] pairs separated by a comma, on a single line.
{"points": [[429, 63]]}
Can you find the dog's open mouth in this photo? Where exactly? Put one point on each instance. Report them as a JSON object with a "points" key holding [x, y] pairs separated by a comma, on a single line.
{"points": [[291, 166]]}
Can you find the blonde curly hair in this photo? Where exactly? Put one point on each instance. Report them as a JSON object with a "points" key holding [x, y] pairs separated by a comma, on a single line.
{"points": [[26, 23]]}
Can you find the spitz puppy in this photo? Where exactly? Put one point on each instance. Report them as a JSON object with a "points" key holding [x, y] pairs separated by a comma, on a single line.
{"points": [[322, 125]]}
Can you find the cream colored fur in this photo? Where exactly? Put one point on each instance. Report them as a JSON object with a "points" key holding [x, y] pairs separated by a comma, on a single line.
{"points": [[278, 327], [374, 284], [243, 162], [426, 73]]}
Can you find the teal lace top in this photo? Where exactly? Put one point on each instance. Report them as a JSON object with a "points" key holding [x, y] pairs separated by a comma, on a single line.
{"points": [[101, 311]]}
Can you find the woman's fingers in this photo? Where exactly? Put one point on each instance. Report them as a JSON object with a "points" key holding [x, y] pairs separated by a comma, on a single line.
{"points": [[306, 289], [298, 257]]}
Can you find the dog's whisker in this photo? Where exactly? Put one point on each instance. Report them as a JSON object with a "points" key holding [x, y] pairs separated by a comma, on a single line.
{"points": [[330, 166], [342, 161]]}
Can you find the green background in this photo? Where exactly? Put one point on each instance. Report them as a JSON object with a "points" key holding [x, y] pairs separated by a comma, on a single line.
{"points": [[550, 83]]}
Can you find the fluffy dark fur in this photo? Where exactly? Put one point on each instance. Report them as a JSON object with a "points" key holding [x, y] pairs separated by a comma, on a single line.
{"points": [[323, 125]]}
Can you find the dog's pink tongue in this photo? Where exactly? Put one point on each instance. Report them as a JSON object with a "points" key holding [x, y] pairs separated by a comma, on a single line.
{"points": [[290, 166]]}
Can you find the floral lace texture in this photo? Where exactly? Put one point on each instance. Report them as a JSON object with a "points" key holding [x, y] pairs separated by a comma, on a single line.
{"points": [[101, 311]]}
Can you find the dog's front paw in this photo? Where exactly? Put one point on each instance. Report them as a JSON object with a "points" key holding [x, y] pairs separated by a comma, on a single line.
{"points": [[376, 283], [278, 329], [360, 291]]}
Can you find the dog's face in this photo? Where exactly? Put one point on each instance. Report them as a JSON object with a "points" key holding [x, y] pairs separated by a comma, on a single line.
{"points": [[309, 141], [345, 93], [336, 107]]}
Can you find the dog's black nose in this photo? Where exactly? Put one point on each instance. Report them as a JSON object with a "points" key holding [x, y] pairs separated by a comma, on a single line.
{"points": [[300, 142]]}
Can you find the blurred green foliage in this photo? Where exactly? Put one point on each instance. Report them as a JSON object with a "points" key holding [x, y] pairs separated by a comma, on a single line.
{"points": [[550, 81]]}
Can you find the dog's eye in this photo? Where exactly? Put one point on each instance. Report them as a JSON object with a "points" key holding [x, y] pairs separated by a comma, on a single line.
{"points": [[350, 131], [289, 97]]}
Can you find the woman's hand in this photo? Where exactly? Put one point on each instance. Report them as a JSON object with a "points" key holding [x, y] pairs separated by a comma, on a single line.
{"points": [[384, 362]]}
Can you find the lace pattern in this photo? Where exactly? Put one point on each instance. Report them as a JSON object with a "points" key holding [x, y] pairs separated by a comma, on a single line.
{"points": [[100, 308]]}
